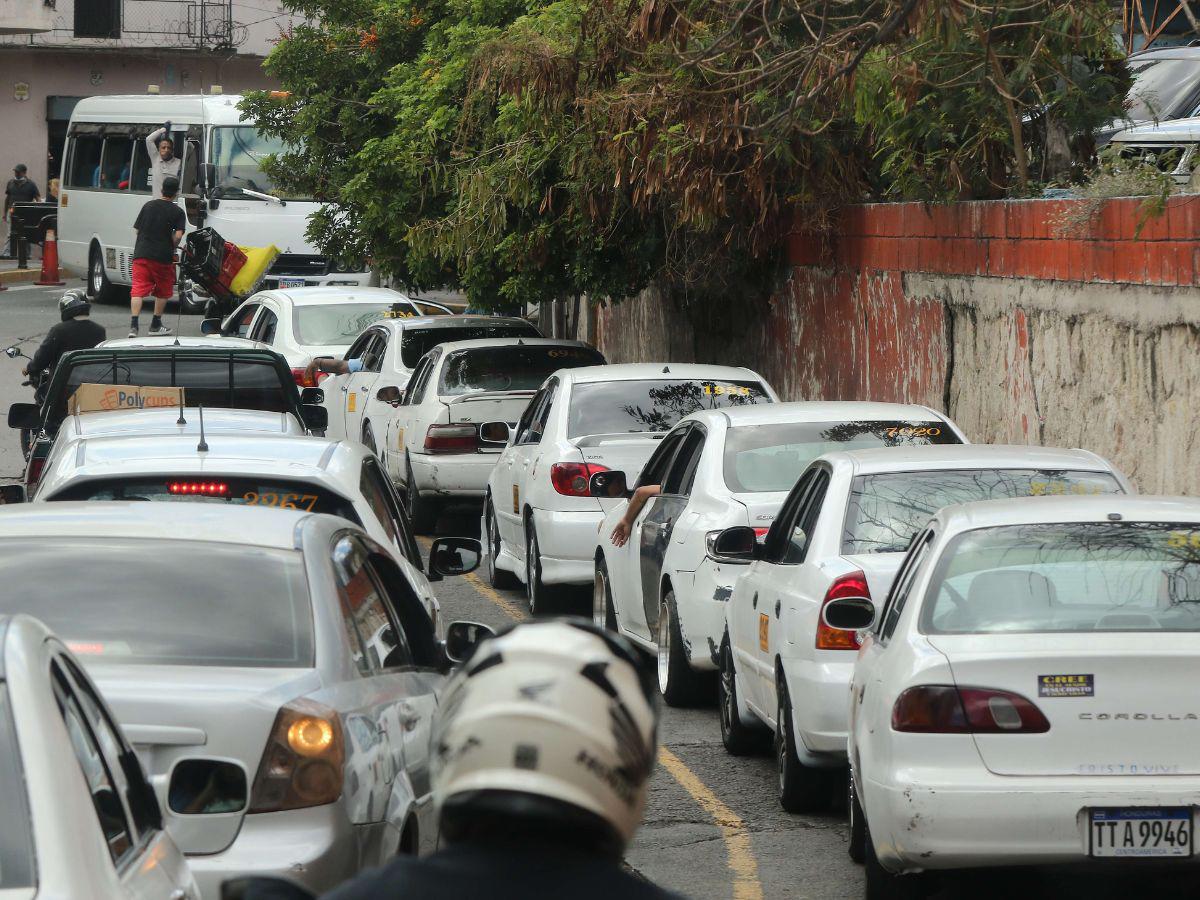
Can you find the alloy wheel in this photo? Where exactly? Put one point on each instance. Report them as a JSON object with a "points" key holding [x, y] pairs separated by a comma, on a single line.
{"points": [[664, 648], [599, 599]]}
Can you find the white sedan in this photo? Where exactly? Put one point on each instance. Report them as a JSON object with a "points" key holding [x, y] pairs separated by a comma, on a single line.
{"points": [[540, 515], [717, 469], [80, 817], [842, 532], [436, 440], [1026, 693], [271, 670]]}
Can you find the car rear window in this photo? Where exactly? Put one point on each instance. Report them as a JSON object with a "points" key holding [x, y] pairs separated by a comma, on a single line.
{"points": [[16, 839], [652, 405], [164, 602], [514, 368], [337, 323], [1067, 577], [236, 490], [771, 457], [887, 509], [416, 342]]}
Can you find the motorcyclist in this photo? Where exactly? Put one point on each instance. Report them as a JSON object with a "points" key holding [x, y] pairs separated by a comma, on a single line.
{"points": [[76, 331]]}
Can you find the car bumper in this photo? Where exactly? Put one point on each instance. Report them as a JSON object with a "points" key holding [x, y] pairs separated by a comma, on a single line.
{"points": [[453, 474], [820, 693], [930, 822], [566, 541], [317, 848]]}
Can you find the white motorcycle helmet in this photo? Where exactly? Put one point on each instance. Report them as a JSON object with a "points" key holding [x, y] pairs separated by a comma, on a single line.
{"points": [[550, 726]]}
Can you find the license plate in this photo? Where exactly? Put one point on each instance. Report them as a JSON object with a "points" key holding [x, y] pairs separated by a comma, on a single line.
{"points": [[1140, 832], [291, 282]]}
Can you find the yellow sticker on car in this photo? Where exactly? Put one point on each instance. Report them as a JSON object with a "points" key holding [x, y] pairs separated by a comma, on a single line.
{"points": [[764, 627], [516, 500], [351, 401]]}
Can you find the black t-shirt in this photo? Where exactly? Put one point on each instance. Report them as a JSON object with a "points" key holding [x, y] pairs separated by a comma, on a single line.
{"points": [[20, 190], [156, 226], [73, 334]]}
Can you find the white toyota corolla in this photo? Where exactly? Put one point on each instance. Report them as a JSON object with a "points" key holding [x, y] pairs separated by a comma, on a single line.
{"points": [[1026, 694], [842, 532], [717, 469]]}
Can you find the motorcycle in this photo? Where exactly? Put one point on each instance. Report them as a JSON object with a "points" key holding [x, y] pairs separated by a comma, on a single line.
{"points": [[39, 390]]}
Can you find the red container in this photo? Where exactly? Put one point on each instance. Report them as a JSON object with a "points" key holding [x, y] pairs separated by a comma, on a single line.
{"points": [[231, 264]]}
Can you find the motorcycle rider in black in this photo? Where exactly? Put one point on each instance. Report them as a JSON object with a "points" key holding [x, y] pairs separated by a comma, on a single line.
{"points": [[76, 331]]}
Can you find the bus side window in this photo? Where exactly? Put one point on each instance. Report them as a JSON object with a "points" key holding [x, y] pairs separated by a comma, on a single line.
{"points": [[139, 181], [85, 158], [115, 164]]}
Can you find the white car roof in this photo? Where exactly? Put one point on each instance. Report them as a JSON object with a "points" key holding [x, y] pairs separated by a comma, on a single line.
{"points": [[815, 411], [324, 295], [1038, 510], [253, 526], [166, 421], [223, 343], [483, 343], [655, 371], [931, 457], [1175, 130], [401, 324]]}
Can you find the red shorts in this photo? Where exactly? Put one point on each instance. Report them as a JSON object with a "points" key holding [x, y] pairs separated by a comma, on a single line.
{"points": [[153, 279]]}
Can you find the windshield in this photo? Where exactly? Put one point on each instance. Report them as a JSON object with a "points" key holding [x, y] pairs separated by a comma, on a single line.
{"points": [[166, 602], [338, 323], [513, 368], [1163, 89], [416, 342], [1090, 576], [237, 153], [16, 841], [633, 407], [771, 457], [886, 510]]}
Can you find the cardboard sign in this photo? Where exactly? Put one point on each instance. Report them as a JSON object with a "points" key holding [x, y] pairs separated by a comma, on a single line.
{"points": [[107, 397]]}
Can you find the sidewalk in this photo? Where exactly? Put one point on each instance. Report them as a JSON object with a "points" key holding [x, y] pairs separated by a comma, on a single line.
{"points": [[10, 274]]}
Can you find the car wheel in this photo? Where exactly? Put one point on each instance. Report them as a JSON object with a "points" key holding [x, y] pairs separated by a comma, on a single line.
{"points": [[801, 788], [677, 682], [542, 597], [603, 614], [738, 738], [99, 288], [858, 822], [497, 577], [368, 439], [884, 885], [422, 512]]}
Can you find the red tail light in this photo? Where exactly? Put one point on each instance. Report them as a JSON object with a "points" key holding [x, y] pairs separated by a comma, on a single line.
{"points": [[33, 474], [302, 764], [451, 439], [851, 585], [300, 376], [573, 479], [946, 709], [760, 534], [201, 488]]}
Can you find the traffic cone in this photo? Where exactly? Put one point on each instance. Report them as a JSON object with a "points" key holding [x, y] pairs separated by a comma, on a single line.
{"points": [[50, 261]]}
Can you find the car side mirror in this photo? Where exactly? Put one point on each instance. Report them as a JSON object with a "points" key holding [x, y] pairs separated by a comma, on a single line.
{"points": [[495, 432], [390, 394], [263, 888], [316, 418], [24, 415], [613, 485], [735, 546], [210, 327], [12, 352], [454, 556], [849, 613], [462, 638], [12, 493], [311, 396]]}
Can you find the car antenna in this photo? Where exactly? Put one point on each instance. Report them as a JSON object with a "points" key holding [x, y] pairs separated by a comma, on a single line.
{"points": [[202, 447], [666, 370], [181, 420]]}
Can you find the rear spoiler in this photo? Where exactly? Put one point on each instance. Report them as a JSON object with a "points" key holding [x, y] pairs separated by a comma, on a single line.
{"points": [[618, 437], [488, 395]]}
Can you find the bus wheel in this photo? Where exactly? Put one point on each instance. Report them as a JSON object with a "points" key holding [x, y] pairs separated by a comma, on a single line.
{"points": [[100, 288]]}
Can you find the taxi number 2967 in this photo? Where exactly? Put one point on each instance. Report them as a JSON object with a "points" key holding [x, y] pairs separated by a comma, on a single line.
{"points": [[287, 500]]}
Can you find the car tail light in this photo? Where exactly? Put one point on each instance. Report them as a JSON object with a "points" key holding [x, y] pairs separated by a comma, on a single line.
{"points": [[451, 439], [303, 762], [199, 488], [574, 479], [946, 709], [33, 474], [300, 376], [760, 534], [851, 585]]}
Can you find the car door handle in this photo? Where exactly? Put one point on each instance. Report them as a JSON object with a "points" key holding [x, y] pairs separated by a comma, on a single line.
{"points": [[754, 602], [777, 607]]}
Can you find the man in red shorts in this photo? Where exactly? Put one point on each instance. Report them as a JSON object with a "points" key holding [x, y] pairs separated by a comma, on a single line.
{"points": [[159, 228]]}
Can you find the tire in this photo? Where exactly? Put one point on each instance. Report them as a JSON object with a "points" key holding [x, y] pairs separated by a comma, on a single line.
{"points": [[603, 614], [497, 577], [801, 788], [857, 848], [99, 288], [677, 682], [422, 512], [543, 598], [738, 738], [883, 885]]}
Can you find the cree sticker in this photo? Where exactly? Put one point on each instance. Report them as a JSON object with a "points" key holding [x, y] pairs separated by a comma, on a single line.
{"points": [[1066, 685]]}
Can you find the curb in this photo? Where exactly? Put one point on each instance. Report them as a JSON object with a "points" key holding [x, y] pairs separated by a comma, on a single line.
{"points": [[19, 276]]}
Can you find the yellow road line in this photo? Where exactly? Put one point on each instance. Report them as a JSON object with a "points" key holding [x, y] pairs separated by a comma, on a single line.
{"points": [[740, 857], [490, 593]]}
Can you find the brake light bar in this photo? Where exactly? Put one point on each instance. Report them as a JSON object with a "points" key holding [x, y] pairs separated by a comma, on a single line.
{"points": [[853, 584], [946, 709], [460, 438], [199, 488], [574, 479]]}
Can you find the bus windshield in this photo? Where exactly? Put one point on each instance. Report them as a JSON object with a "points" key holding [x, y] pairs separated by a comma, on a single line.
{"points": [[237, 153]]}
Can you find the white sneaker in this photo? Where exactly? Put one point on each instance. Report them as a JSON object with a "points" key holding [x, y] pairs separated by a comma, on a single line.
{"points": [[133, 332], [157, 332]]}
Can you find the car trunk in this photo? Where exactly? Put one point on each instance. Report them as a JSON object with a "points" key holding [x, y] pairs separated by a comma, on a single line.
{"points": [[1118, 702], [761, 507], [490, 406], [173, 713], [880, 569]]}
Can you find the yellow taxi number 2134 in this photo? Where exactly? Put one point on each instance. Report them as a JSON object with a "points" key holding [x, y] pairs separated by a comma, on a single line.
{"points": [[281, 500]]}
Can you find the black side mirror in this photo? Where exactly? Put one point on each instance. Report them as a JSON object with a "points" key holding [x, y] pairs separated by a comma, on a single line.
{"points": [[495, 432], [849, 613], [12, 493], [454, 556], [24, 415], [612, 485], [316, 418], [462, 638], [312, 396], [736, 546], [263, 888], [210, 326]]}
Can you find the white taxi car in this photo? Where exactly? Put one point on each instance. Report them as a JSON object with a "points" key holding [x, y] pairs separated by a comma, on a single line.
{"points": [[436, 444], [301, 323], [842, 532], [539, 515], [1027, 691], [361, 403], [717, 469], [232, 647], [80, 817], [313, 474]]}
